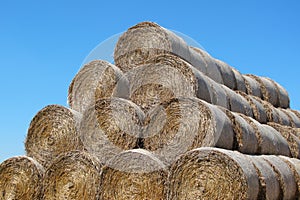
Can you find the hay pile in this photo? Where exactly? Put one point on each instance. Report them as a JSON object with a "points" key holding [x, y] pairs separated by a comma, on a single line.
{"points": [[166, 122]]}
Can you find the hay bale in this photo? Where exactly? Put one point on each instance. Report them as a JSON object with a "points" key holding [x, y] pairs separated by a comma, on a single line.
{"points": [[283, 96], [269, 185], [284, 175], [19, 178], [211, 173], [253, 87], [258, 110], [134, 175], [246, 139], [218, 94], [52, 131], [297, 113], [284, 119], [287, 133], [183, 124], [295, 121], [227, 74], [240, 82], [110, 126], [271, 111], [94, 80], [237, 103], [74, 175], [160, 79]]}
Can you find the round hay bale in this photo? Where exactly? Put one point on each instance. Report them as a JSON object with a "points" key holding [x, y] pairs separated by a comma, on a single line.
{"points": [[227, 74], [271, 111], [212, 173], [283, 96], [284, 119], [110, 126], [160, 79], [240, 82], [246, 139], [287, 133], [253, 87], [53, 130], [258, 110], [295, 121], [183, 124], [269, 185], [74, 175], [297, 113], [20, 178], [237, 103], [134, 175], [294, 165], [94, 80], [284, 175], [218, 94]]}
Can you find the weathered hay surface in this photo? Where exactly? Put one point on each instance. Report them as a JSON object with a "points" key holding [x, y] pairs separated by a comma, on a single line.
{"points": [[284, 175], [19, 178], [134, 175], [227, 74], [283, 96], [211, 173], [53, 130], [269, 185], [110, 126], [295, 121], [160, 79], [253, 87], [291, 138], [284, 119], [184, 124], [240, 82], [74, 175], [238, 103], [95, 80]]}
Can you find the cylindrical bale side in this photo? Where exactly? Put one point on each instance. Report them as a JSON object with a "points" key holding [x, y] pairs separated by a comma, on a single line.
{"points": [[271, 111], [240, 82], [184, 124], [94, 80], [20, 178], [74, 175], [212, 173], [53, 130], [284, 119], [134, 175], [110, 126], [296, 112], [253, 87], [284, 175], [283, 96], [295, 121], [219, 95], [227, 74]]}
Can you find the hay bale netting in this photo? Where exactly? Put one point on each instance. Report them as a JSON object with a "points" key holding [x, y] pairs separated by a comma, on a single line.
{"points": [[110, 126], [158, 80], [53, 130], [212, 173], [268, 182], [20, 178], [287, 133], [285, 176], [134, 175], [284, 119], [253, 87], [246, 140], [227, 74], [295, 121], [257, 108], [283, 96], [240, 82], [184, 124], [74, 175], [269, 140], [94, 80]]}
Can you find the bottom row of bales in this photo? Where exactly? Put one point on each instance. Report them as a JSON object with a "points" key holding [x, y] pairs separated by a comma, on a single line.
{"points": [[203, 173]]}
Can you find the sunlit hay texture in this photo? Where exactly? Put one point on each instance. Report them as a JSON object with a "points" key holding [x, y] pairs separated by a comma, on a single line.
{"points": [[227, 74], [269, 140], [288, 186], [283, 96], [269, 187], [110, 126], [294, 119], [74, 175], [253, 87], [94, 80], [211, 173], [160, 79], [288, 134], [53, 130], [284, 118], [20, 178], [134, 175], [257, 108], [240, 82], [183, 124]]}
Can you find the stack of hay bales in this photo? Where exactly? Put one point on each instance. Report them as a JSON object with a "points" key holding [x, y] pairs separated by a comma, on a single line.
{"points": [[167, 121]]}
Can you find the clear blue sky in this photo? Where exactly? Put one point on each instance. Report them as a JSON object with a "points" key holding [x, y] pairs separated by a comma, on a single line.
{"points": [[43, 44]]}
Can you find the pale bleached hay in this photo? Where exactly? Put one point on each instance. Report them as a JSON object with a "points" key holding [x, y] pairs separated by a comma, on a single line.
{"points": [[184, 124], [211, 173], [110, 126], [74, 175], [253, 87], [95, 80], [20, 178], [53, 130], [227, 74], [134, 175], [283, 96], [240, 82]]}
